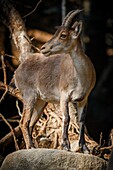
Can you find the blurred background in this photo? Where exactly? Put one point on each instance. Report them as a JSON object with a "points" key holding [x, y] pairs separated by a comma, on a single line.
{"points": [[97, 36]]}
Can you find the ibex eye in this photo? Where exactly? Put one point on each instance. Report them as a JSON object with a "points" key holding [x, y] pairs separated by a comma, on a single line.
{"points": [[63, 36]]}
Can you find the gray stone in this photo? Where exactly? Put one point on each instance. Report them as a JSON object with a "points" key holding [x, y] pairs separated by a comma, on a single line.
{"points": [[51, 159]]}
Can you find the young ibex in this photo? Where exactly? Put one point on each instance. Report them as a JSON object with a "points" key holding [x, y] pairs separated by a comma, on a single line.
{"points": [[66, 76]]}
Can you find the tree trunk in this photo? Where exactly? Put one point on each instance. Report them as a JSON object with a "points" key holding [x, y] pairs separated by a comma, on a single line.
{"points": [[12, 19]]}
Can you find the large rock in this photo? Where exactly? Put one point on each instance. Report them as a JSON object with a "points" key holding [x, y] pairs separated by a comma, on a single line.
{"points": [[51, 159]]}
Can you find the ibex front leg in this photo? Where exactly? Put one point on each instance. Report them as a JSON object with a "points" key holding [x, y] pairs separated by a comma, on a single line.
{"points": [[82, 114], [24, 125], [65, 144]]}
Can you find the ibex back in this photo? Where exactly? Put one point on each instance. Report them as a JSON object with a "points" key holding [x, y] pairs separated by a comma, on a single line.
{"points": [[67, 75]]}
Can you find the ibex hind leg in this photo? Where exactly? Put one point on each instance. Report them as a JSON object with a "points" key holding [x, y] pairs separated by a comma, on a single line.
{"points": [[24, 124], [28, 108], [38, 110]]}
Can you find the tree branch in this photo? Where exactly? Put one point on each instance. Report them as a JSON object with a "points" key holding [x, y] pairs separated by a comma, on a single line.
{"points": [[12, 131], [11, 91], [7, 140]]}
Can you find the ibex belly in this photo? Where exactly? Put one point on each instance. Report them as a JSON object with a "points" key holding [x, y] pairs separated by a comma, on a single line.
{"points": [[50, 96]]}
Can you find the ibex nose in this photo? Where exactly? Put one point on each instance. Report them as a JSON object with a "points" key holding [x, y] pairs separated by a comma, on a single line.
{"points": [[42, 48], [45, 50], [46, 47]]}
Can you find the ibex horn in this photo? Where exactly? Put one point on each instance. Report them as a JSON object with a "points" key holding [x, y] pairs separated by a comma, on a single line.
{"points": [[68, 20]]}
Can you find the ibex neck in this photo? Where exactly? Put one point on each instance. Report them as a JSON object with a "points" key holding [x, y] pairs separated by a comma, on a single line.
{"points": [[77, 54], [80, 60]]}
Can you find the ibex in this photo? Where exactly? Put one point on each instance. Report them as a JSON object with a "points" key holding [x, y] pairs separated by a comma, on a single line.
{"points": [[67, 75]]}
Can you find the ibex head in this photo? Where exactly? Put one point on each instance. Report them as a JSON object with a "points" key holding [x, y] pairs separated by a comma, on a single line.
{"points": [[65, 37]]}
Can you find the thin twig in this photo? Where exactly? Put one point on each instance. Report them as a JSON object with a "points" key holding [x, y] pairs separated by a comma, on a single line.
{"points": [[100, 140], [14, 137], [42, 129], [11, 56], [5, 78], [54, 115], [50, 132], [106, 147], [9, 66], [4, 69], [19, 112], [36, 48], [3, 94], [33, 9], [12, 91], [75, 126]]}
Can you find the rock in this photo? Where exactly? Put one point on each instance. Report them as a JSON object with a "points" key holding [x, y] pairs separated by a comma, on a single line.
{"points": [[51, 159]]}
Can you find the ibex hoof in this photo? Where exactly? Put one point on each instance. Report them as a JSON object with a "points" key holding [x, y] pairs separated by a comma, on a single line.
{"points": [[65, 146], [30, 147], [84, 149]]}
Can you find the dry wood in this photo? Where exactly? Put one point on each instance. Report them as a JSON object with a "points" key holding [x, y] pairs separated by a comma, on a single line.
{"points": [[5, 79], [17, 28], [12, 131], [11, 91], [8, 139]]}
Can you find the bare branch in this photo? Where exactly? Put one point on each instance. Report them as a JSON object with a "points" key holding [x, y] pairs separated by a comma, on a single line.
{"points": [[11, 91], [19, 112], [7, 140], [33, 9], [12, 131], [5, 78], [4, 69], [11, 56]]}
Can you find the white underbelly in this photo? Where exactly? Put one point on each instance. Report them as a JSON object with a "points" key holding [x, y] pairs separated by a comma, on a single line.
{"points": [[48, 96]]}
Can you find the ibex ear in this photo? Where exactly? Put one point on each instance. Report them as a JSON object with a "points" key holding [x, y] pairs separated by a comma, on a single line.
{"points": [[77, 29]]}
